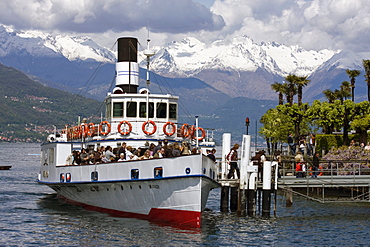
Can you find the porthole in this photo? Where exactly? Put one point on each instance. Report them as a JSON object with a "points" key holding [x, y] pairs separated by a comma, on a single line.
{"points": [[204, 170], [187, 170]]}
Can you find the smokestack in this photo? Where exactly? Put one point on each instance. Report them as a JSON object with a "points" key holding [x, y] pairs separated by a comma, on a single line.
{"points": [[127, 68]]}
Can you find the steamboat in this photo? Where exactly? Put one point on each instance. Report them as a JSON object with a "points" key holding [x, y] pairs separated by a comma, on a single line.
{"points": [[163, 188]]}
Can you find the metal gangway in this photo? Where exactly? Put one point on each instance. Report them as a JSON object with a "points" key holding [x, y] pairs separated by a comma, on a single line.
{"points": [[340, 181]]}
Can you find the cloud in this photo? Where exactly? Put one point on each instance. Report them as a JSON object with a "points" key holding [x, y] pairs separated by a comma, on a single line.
{"points": [[316, 24], [96, 16]]}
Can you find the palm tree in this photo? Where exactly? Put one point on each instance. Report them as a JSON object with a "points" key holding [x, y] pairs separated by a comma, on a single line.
{"points": [[344, 92], [366, 64], [281, 89], [352, 75], [292, 88], [301, 82], [330, 95]]}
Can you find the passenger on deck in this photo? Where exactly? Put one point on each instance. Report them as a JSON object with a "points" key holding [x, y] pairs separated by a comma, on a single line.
{"points": [[185, 148], [76, 157], [159, 153], [97, 156], [176, 150], [121, 157], [70, 159], [146, 155], [151, 148], [211, 155], [84, 156], [91, 159], [158, 147], [109, 155], [122, 150], [168, 151]]}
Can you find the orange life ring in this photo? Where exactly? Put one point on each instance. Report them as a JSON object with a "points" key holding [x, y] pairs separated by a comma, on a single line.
{"points": [[101, 128], [185, 130], [124, 132], [69, 133], [165, 129], [76, 132], [84, 130], [147, 132], [194, 133], [320, 169], [91, 129]]}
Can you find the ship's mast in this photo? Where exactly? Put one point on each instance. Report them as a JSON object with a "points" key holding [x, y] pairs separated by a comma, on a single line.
{"points": [[148, 53]]}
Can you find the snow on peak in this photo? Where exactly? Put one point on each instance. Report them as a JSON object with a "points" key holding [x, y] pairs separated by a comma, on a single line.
{"points": [[38, 43], [189, 56]]}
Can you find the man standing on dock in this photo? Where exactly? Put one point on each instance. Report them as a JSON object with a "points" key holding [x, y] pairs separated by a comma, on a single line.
{"points": [[232, 159]]}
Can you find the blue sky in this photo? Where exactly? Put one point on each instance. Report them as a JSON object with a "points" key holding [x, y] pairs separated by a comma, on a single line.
{"points": [[311, 24]]}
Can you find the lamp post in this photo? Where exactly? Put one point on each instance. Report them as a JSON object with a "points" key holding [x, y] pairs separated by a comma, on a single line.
{"points": [[247, 122]]}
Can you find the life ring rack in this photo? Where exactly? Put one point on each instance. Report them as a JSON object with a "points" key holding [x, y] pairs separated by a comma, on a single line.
{"points": [[121, 131], [104, 133], [165, 128], [147, 132]]}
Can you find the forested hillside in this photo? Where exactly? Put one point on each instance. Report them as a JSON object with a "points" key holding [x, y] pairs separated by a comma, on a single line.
{"points": [[28, 110]]}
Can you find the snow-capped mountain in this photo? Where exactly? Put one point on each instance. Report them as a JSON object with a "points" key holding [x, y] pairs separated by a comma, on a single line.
{"points": [[40, 44], [238, 68], [190, 56]]}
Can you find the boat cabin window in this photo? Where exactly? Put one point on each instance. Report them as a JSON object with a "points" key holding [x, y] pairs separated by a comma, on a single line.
{"points": [[173, 111], [142, 113], [51, 155], [109, 110], [161, 110], [134, 173], [118, 109], [131, 109]]}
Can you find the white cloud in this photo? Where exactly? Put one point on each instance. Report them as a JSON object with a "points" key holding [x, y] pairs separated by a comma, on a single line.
{"points": [[312, 24]]}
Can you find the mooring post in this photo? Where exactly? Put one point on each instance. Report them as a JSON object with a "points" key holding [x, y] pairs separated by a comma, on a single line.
{"points": [[288, 197], [234, 199], [266, 189], [244, 174], [251, 194], [224, 207]]}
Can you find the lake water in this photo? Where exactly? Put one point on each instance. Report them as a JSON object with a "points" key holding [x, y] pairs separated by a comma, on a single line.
{"points": [[31, 215]]}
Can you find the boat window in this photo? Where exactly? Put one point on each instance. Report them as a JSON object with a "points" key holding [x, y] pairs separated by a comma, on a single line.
{"points": [[161, 110], [51, 155], [94, 176], [108, 110], [173, 111], [118, 109], [158, 172], [131, 109], [134, 173], [143, 110]]}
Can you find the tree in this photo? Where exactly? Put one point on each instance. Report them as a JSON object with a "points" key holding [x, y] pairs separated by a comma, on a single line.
{"points": [[292, 88], [281, 89], [366, 64], [352, 75], [301, 82], [361, 119], [344, 92], [330, 95]]}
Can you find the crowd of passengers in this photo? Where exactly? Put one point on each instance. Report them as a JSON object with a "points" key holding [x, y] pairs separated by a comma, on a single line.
{"points": [[126, 153]]}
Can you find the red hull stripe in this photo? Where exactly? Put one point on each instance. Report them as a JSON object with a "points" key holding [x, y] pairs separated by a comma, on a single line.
{"points": [[178, 217]]}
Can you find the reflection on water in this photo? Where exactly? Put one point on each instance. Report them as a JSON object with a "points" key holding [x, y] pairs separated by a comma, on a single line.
{"points": [[31, 214]]}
